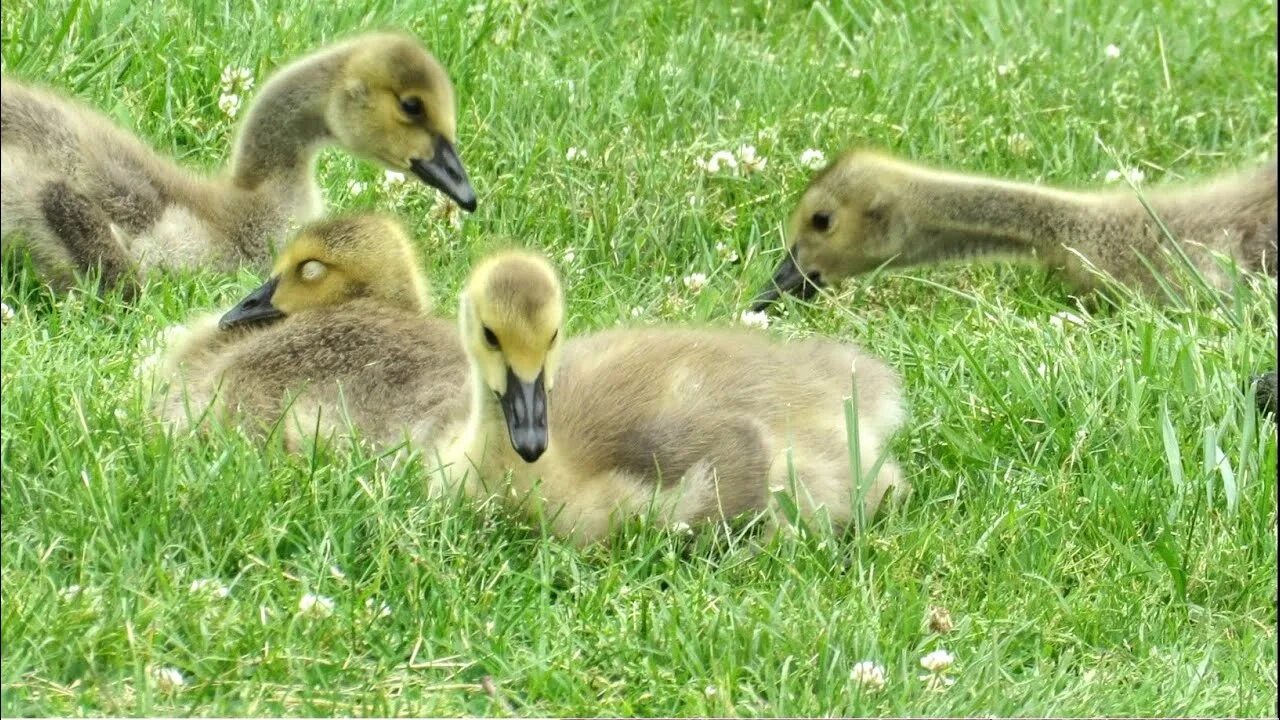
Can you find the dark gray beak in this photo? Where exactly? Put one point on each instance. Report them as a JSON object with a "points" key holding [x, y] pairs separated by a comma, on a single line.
{"points": [[788, 279], [445, 173], [525, 406], [256, 308]]}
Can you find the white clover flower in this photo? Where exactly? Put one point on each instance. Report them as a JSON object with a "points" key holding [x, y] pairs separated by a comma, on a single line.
{"points": [[70, 592], [336, 573], [1111, 51], [355, 187], [234, 78], [754, 319], [167, 679], [709, 691], [726, 253], [750, 161], [812, 159], [1004, 69], [1135, 175], [380, 609], [6, 314], [868, 675], [938, 661], [316, 606], [447, 210], [570, 256], [720, 160], [209, 586], [229, 104], [574, 153], [1066, 317], [636, 312], [695, 282], [1019, 143], [855, 72], [391, 177]]}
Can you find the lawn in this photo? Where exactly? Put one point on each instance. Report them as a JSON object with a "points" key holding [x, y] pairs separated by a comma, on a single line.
{"points": [[1095, 499]]}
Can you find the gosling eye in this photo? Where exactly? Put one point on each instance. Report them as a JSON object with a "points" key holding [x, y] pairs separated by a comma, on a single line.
{"points": [[413, 107], [312, 270], [554, 336], [490, 338], [821, 221]]}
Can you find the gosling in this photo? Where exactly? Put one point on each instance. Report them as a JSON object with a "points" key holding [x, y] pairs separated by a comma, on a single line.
{"points": [[867, 210], [84, 194], [338, 339], [700, 425]]}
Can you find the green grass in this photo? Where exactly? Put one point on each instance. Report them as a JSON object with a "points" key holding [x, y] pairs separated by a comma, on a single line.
{"points": [[1095, 505]]}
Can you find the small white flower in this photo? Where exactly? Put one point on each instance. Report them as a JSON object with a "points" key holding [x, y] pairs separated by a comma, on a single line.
{"points": [[1004, 69], [937, 683], [391, 177], [695, 282], [1135, 175], [6, 314], [710, 691], [355, 187], [447, 210], [236, 78], [1112, 51], [636, 312], [1066, 317], [937, 661], [168, 679], [574, 153], [336, 573], [755, 319], [70, 592], [682, 527], [868, 675], [316, 606], [1019, 143], [211, 587], [380, 609], [570, 256], [229, 104], [812, 159], [719, 160], [726, 253], [694, 200], [750, 161], [855, 72]]}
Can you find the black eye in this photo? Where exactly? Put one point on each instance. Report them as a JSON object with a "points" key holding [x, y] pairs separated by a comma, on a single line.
{"points": [[821, 221], [490, 338], [554, 335], [412, 106]]}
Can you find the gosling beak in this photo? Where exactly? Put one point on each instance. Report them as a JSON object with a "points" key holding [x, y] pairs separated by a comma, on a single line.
{"points": [[445, 173], [525, 406], [788, 279], [256, 308]]}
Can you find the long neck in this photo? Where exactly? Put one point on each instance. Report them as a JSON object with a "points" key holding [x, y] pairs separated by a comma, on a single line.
{"points": [[952, 217], [285, 128]]}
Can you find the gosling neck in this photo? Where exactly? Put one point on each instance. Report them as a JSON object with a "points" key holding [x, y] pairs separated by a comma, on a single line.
{"points": [[953, 217], [284, 129]]}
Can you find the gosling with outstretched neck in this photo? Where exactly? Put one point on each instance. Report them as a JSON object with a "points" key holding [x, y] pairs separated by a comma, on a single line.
{"points": [[81, 193]]}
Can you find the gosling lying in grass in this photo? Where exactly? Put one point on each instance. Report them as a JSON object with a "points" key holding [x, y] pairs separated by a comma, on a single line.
{"points": [[699, 424], [338, 338]]}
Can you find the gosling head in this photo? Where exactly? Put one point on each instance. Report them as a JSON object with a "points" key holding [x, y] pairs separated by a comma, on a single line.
{"points": [[844, 225], [393, 103], [332, 261], [510, 315]]}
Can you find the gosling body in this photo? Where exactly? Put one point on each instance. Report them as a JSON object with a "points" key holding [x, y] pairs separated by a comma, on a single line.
{"points": [[696, 424], [83, 193], [324, 353]]}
